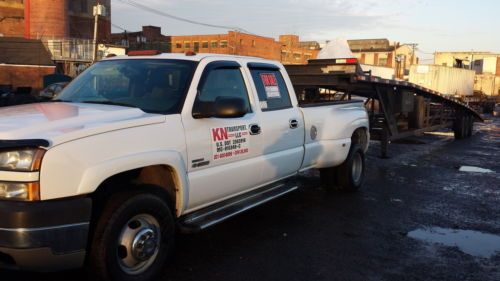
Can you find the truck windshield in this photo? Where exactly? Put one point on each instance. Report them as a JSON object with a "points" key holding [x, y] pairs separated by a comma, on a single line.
{"points": [[154, 86]]}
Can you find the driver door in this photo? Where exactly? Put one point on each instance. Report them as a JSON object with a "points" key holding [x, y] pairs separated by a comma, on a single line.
{"points": [[222, 152]]}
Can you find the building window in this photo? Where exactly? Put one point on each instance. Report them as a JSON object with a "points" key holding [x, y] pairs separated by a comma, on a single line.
{"points": [[84, 6], [223, 44], [196, 46], [204, 44], [215, 44], [187, 45], [253, 43], [297, 56], [178, 45], [307, 56], [241, 42], [382, 61]]}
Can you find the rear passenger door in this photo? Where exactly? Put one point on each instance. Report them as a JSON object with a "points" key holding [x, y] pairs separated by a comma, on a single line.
{"points": [[281, 123]]}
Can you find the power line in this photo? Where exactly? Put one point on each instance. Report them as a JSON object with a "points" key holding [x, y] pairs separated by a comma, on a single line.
{"points": [[424, 52], [151, 10], [117, 26]]}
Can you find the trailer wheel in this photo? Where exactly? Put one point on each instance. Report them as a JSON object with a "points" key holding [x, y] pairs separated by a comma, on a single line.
{"points": [[133, 238], [460, 128], [470, 126]]}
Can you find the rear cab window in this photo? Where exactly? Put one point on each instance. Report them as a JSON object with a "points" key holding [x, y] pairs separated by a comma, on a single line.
{"points": [[271, 87]]}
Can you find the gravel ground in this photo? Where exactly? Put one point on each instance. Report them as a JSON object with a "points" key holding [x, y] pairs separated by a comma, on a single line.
{"points": [[313, 234]]}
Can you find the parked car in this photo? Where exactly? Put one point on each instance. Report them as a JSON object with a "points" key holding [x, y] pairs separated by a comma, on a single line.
{"points": [[141, 146], [52, 90]]}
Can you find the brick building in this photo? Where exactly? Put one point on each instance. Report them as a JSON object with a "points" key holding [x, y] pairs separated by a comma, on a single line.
{"points": [[53, 19], [149, 38], [12, 18], [65, 27], [381, 52], [295, 52], [288, 50], [27, 68], [233, 43]]}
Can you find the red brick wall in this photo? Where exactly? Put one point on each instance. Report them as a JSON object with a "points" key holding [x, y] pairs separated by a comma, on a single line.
{"points": [[246, 45], [255, 46], [201, 38], [289, 40], [12, 24], [237, 44], [24, 76], [49, 19], [152, 33]]}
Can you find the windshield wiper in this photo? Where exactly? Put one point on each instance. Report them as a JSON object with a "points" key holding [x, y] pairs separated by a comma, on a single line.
{"points": [[110, 103]]}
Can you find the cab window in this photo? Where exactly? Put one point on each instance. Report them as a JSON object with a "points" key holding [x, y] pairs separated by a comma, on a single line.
{"points": [[271, 89], [221, 82]]}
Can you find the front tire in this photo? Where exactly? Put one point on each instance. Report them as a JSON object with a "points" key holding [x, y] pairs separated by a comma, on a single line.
{"points": [[133, 238]]}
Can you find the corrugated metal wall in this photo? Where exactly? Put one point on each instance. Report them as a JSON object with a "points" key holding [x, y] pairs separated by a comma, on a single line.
{"points": [[446, 80]]}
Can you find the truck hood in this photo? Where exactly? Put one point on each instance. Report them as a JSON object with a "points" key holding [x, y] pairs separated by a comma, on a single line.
{"points": [[63, 122]]}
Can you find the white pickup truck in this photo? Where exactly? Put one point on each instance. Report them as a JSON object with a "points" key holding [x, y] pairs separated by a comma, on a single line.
{"points": [[141, 146]]}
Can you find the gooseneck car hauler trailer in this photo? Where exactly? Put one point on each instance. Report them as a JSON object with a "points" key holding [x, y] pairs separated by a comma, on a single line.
{"points": [[397, 109]]}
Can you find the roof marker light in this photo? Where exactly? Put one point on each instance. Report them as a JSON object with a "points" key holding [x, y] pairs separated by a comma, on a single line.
{"points": [[143, 53]]}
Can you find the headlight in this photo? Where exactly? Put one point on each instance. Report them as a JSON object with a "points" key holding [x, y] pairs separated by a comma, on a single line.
{"points": [[21, 191], [23, 160]]}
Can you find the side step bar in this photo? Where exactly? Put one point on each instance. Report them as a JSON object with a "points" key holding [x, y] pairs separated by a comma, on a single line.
{"points": [[212, 215]]}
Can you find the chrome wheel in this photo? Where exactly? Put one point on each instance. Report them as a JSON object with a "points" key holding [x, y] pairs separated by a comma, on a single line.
{"points": [[138, 244], [357, 167]]}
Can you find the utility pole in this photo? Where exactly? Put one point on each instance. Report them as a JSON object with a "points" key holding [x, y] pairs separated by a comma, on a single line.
{"points": [[99, 10]]}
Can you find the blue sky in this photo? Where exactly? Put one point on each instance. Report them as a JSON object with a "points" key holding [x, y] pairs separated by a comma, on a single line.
{"points": [[439, 25]]}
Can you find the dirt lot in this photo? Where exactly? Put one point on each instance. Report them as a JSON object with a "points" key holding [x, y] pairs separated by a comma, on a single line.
{"points": [[313, 234]]}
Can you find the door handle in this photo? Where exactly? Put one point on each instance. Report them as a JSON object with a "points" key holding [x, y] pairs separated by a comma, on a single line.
{"points": [[255, 129], [294, 124]]}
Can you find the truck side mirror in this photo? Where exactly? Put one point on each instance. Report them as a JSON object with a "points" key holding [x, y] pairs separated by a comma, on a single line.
{"points": [[230, 107], [223, 107]]}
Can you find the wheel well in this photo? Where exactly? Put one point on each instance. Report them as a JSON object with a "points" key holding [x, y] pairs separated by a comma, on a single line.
{"points": [[160, 179], [360, 136]]}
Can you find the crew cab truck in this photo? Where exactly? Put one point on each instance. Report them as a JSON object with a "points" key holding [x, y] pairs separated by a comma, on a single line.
{"points": [[141, 146]]}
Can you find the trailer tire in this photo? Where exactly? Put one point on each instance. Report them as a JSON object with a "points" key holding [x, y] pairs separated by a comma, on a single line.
{"points": [[470, 126], [134, 238], [351, 174], [460, 128]]}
